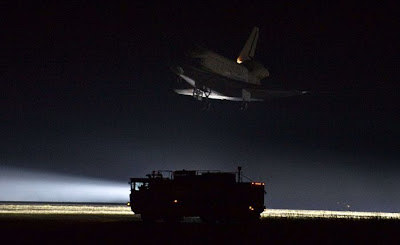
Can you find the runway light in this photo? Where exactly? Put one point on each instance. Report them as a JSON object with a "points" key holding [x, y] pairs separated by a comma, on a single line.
{"points": [[175, 201], [328, 214], [128, 204], [251, 208]]}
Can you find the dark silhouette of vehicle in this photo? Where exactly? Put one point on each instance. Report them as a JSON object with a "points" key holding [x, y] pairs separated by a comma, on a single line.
{"points": [[214, 196]]}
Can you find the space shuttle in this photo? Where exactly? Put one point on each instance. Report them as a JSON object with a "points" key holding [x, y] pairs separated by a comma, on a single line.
{"points": [[210, 76]]}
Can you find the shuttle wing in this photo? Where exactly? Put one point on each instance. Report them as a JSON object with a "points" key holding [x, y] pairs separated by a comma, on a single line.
{"points": [[267, 94], [229, 89]]}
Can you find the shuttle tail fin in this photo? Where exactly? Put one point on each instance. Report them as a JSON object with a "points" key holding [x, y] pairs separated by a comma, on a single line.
{"points": [[249, 47]]}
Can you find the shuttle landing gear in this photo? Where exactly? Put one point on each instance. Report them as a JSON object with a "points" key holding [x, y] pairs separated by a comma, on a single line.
{"points": [[207, 106], [202, 95], [244, 106], [198, 94], [246, 98]]}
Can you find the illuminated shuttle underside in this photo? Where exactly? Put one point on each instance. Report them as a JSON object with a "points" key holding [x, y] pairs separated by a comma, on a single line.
{"points": [[212, 94]]}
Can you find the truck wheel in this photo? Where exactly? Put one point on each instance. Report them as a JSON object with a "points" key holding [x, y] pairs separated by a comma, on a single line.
{"points": [[172, 219], [225, 220], [148, 218], [253, 219], [246, 218], [208, 219]]}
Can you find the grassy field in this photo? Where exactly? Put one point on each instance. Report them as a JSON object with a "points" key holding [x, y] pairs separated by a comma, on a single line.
{"points": [[110, 229], [49, 223]]}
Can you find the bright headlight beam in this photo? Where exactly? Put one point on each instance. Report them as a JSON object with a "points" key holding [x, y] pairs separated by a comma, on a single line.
{"points": [[33, 186]]}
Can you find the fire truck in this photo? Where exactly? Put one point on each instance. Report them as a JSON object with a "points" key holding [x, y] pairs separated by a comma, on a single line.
{"points": [[214, 196]]}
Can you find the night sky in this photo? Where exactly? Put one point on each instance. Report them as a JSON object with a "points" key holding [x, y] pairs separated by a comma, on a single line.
{"points": [[86, 91]]}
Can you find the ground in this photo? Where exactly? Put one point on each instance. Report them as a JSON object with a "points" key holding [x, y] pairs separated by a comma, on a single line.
{"points": [[117, 229]]}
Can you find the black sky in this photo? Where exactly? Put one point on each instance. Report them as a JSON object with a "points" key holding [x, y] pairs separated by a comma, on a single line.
{"points": [[86, 90]]}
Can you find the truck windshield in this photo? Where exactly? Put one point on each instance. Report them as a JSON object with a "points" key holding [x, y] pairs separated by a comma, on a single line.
{"points": [[139, 186]]}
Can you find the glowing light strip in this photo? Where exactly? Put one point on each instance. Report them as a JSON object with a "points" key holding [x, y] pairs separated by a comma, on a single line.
{"points": [[122, 210], [65, 209], [287, 213]]}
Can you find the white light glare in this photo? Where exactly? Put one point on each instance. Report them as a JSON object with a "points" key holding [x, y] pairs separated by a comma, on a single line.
{"points": [[23, 185]]}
